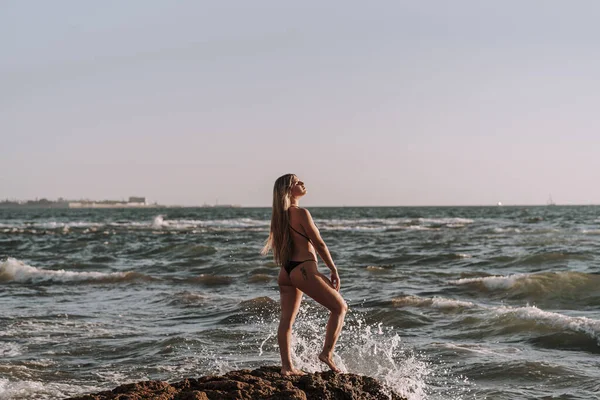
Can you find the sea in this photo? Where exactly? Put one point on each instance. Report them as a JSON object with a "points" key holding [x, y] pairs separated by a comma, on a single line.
{"points": [[444, 302]]}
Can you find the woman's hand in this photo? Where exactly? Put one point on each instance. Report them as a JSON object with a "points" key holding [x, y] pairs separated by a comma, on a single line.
{"points": [[335, 279]]}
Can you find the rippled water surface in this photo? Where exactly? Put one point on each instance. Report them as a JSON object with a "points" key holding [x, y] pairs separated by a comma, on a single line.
{"points": [[445, 302]]}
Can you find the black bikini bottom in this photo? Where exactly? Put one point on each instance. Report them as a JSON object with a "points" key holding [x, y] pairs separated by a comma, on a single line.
{"points": [[293, 264]]}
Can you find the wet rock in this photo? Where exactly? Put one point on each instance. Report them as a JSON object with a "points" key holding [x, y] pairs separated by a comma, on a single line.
{"points": [[264, 383]]}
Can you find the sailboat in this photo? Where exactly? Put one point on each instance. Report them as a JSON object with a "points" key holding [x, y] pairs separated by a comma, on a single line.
{"points": [[550, 202]]}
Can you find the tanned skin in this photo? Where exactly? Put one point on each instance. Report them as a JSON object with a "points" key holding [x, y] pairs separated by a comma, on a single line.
{"points": [[307, 279]]}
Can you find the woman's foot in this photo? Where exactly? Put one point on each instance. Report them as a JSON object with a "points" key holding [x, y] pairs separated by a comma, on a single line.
{"points": [[291, 372], [326, 358]]}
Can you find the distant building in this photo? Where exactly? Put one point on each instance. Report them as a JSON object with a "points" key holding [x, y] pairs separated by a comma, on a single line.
{"points": [[135, 199], [41, 203], [134, 202]]}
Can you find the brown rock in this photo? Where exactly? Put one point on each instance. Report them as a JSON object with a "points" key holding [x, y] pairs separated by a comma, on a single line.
{"points": [[265, 383]]}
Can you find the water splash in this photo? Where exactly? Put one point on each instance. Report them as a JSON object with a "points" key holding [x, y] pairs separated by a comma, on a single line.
{"points": [[365, 349]]}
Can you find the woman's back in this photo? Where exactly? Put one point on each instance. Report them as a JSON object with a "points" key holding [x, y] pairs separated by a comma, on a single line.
{"points": [[303, 248]]}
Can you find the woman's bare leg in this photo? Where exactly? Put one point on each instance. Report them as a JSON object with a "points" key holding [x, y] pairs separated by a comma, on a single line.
{"points": [[308, 279], [290, 302]]}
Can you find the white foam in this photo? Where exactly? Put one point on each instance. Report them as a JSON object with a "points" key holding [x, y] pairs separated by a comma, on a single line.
{"points": [[25, 390], [353, 228], [9, 349], [13, 270], [445, 221], [421, 228], [235, 223], [51, 225], [507, 230], [492, 282], [367, 349], [366, 222], [382, 224], [466, 348], [433, 302], [585, 325], [363, 349], [463, 255], [545, 281], [591, 231], [159, 222], [375, 268], [43, 362], [179, 224]]}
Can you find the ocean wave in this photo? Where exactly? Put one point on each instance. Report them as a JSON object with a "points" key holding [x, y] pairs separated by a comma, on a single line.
{"points": [[462, 255], [556, 284], [476, 348], [591, 231], [352, 228], [536, 371], [384, 224], [543, 258], [260, 278], [262, 302], [512, 320], [185, 250], [13, 270], [495, 282], [158, 222], [420, 228], [585, 325], [161, 222], [188, 298], [45, 330], [376, 269], [507, 230], [433, 302], [211, 280], [542, 328], [51, 225]]}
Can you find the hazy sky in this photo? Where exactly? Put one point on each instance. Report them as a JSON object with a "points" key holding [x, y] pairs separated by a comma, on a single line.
{"points": [[370, 103]]}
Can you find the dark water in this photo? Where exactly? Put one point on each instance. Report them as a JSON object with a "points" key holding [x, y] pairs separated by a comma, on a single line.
{"points": [[445, 302]]}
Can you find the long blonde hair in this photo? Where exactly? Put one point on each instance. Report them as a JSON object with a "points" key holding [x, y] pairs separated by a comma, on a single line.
{"points": [[280, 240]]}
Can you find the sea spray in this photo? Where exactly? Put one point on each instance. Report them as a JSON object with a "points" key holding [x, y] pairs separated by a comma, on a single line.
{"points": [[367, 349], [29, 389]]}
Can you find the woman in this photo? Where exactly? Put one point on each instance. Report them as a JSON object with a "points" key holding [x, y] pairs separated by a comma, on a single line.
{"points": [[295, 240]]}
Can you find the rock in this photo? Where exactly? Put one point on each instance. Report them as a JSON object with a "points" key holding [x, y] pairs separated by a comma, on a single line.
{"points": [[264, 383]]}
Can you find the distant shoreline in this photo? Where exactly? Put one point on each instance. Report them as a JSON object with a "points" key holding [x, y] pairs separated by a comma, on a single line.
{"points": [[103, 204]]}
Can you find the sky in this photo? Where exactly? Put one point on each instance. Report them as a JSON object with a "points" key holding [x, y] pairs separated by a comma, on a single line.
{"points": [[385, 103]]}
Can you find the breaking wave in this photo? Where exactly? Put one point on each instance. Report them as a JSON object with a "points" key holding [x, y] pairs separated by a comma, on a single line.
{"points": [[13, 270], [434, 302], [552, 320], [567, 284]]}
